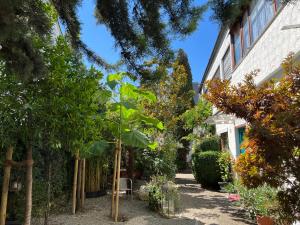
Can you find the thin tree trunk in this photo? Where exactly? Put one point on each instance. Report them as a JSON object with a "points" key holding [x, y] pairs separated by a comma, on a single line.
{"points": [[75, 184], [28, 197], [118, 182], [82, 185], [79, 184], [5, 185], [114, 183], [47, 212]]}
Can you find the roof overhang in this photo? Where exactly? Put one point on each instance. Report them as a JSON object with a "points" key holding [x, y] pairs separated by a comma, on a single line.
{"points": [[221, 119]]}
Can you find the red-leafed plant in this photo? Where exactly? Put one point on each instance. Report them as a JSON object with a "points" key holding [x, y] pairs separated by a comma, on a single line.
{"points": [[272, 111]]}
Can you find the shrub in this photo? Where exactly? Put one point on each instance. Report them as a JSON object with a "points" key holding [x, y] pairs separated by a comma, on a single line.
{"points": [[208, 144], [206, 169], [261, 200], [224, 162], [156, 194]]}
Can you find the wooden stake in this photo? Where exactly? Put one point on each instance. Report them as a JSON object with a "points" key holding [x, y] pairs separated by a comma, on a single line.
{"points": [[118, 182], [82, 185], [5, 186], [114, 183], [28, 196], [79, 184], [75, 183]]}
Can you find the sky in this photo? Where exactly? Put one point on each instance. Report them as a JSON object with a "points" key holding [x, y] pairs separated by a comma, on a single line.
{"points": [[198, 46]]}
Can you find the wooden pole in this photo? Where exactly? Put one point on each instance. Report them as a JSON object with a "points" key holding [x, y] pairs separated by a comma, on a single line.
{"points": [[79, 184], [118, 181], [75, 183], [83, 184], [28, 196], [114, 183], [5, 186]]}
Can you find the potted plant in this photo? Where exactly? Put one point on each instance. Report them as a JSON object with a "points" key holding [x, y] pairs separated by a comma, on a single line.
{"points": [[224, 162]]}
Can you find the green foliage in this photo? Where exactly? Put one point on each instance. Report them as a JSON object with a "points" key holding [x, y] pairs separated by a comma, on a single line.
{"points": [[20, 53], [271, 111], [156, 193], [125, 115], [196, 116], [208, 144], [225, 162], [159, 162], [261, 200], [206, 169]]}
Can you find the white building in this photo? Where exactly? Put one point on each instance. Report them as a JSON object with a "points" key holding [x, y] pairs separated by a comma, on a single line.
{"points": [[265, 35]]}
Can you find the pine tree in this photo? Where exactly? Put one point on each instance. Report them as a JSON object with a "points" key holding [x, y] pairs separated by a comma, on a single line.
{"points": [[140, 28], [187, 92]]}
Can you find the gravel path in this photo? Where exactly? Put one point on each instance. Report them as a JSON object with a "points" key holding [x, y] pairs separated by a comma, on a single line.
{"points": [[199, 207]]}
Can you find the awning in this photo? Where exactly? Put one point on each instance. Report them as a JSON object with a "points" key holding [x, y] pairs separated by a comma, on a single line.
{"points": [[221, 119]]}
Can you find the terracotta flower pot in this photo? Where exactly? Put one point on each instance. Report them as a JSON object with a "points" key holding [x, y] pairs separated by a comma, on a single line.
{"points": [[264, 220]]}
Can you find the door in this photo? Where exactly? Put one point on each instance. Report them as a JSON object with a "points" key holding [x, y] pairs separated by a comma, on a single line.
{"points": [[241, 132]]}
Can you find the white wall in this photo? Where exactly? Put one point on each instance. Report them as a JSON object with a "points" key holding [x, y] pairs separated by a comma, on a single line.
{"points": [[266, 55]]}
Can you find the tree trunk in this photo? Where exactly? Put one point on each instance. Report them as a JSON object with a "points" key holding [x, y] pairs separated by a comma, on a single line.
{"points": [[118, 182], [79, 184], [28, 197], [5, 186], [49, 177], [75, 184], [113, 190], [82, 185]]}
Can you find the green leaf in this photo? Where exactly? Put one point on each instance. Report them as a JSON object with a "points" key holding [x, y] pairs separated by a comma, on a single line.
{"points": [[98, 148], [135, 138], [114, 79], [152, 122], [153, 145]]}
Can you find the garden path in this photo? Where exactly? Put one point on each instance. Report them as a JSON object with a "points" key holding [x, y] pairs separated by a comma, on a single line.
{"points": [[198, 207]]}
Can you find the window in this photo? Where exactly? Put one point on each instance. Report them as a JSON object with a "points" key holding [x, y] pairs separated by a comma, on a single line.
{"points": [[217, 74], [226, 61], [237, 46], [246, 36], [261, 14], [254, 22]]}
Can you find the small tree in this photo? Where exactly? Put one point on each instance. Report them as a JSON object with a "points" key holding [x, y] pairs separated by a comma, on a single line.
{"points": [[126, 121], [272, 112]]}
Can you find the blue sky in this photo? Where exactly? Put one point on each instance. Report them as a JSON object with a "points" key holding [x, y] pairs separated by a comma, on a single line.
{"points": [[198, 46]]}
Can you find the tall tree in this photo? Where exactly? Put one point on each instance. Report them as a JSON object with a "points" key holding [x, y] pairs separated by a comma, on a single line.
{"points": [[140, 28], [172, 85], [186, 93]]}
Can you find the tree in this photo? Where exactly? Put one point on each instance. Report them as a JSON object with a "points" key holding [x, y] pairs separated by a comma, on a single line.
{"points": [[174, 91], [272, 112], [127, 122], [140, 28], [55, 112]]}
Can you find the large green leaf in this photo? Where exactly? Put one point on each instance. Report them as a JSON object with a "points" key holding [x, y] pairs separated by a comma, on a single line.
{"points": [[97, 149], [114, 79], [135, 138], [152, 121]]}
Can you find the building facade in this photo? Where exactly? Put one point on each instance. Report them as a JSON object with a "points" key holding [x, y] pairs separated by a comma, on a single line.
{"points": [[267, 32]]}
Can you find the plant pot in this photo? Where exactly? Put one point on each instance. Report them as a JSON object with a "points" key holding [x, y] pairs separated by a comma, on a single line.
{"points": [[264, 220], [222, 186]]}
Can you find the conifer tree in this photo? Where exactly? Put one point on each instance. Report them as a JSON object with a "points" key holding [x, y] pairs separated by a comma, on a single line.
{"points": [[140, 28]]}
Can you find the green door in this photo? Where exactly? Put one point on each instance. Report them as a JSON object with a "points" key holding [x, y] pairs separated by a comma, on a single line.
{"points": [[241, 132]]}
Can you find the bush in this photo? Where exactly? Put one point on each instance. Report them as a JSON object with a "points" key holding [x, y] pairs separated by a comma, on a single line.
{"points": [[208, 144], [224, 162], [206, 169], [261, 200], [156, 194]]}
